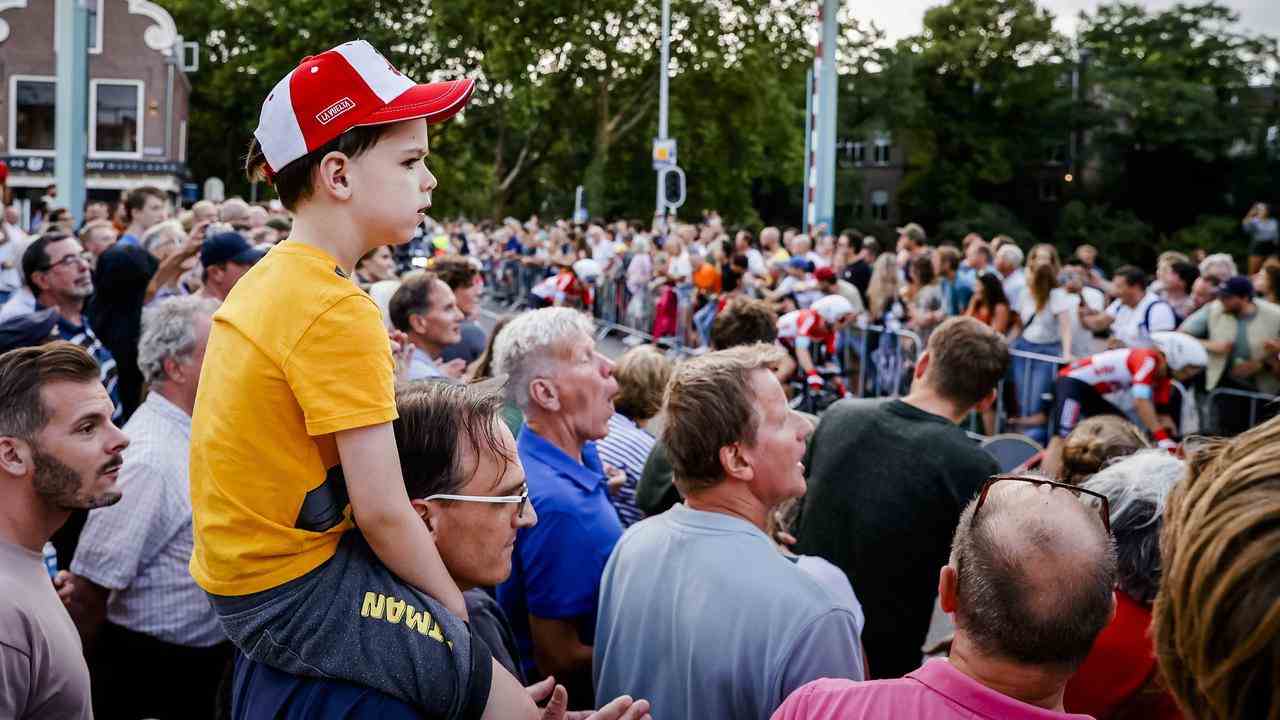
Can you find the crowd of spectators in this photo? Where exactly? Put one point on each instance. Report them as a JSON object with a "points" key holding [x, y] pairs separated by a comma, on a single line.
{"points": [[664, 525]]}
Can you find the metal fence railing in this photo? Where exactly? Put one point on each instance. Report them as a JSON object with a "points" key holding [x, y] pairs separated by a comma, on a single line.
{"points": [[883, 359], [1027, 391], [886, 360], [1225, 409]]}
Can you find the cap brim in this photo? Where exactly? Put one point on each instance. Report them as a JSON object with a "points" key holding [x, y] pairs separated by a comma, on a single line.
{"points": [[436, 102], [249, 257]]}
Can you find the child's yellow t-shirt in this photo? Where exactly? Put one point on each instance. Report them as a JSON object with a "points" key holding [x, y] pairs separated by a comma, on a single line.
{"points": [[296, 353]]}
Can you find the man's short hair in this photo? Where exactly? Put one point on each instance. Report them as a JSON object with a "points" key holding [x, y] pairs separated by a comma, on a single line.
{"points": [[235, 212], [36, 257], [1011, 254], [413, 297], [435, 420], [24, 373], [295, 182], [525, 348], [1008, 609], [1216, 632], [966, 360], [949, 256], [93, 228], [169, 331], [743, 321], [711, 404], [137, 198], [1132, 275], [642, 374], [456, 271]]}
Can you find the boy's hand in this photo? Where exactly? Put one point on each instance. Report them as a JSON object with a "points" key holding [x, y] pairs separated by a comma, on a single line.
{"points": [[401, 351]]}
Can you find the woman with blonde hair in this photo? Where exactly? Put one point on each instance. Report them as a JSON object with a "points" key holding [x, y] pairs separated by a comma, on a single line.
{"points": [[642, 374], [1044, 314], [1097, 442]]}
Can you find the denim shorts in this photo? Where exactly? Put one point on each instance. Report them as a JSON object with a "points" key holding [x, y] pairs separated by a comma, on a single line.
{"points": [[352, 619]]}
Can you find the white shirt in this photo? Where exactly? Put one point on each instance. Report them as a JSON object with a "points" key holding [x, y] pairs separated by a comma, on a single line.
{"points": [[20, 303], [1042, 326], [422, 367], [140, 547], [1083, 343], [755, 263], [13, 242], [1133, 325], [1014, 287]]}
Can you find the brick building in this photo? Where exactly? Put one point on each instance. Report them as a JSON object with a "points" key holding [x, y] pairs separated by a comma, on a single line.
{"points": [[137, 110]]}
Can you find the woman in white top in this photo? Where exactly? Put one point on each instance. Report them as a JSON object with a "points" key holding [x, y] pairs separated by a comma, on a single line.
{"points": [[1045, 315]]}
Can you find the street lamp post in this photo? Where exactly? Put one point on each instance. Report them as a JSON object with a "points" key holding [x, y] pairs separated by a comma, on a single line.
{"points": [[72, 97], [661, 210]]}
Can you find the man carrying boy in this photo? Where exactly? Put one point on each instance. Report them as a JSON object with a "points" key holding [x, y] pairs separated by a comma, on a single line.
{"points": [[292, 420]]}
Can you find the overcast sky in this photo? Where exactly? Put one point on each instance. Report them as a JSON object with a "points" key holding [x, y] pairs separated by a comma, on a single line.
{"points": [[903, 17]]}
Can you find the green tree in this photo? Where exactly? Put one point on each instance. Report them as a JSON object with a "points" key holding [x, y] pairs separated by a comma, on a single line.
{"points": [[1171, 95], [995, 106]]}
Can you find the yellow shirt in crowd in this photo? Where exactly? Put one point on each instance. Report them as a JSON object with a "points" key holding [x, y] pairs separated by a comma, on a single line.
{"points": [[297, 353]]}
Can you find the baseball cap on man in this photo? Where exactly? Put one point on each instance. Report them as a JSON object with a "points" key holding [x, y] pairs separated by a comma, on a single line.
{"points": [[1238, 286], [824, 274], [348, 86], [228, 247], [913, 231]]}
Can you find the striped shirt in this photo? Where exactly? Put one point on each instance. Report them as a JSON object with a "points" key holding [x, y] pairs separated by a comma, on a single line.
{"points": [[626, 447], [83, 336], [140, 547]]}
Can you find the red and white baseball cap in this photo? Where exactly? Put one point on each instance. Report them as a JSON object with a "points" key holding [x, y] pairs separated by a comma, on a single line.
{"points": [[348, 86]]}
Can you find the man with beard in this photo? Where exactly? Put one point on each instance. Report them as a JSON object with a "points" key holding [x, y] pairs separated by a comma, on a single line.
{"points": [[57, 270], [59, 453]]}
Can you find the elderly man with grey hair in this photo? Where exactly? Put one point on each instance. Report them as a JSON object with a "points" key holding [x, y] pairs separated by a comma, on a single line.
{"points": [[130, 588], [1120, 677], [565, 389]]}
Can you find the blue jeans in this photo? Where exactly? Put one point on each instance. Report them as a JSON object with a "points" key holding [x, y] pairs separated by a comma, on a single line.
{"points": [[1033, 381]]}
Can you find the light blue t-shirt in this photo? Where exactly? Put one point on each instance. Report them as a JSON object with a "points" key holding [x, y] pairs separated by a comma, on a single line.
{"points": [[700, 614]]}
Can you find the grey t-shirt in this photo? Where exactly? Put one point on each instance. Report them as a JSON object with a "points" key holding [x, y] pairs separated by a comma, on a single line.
{"points": [[42, 669], [702, 615]]}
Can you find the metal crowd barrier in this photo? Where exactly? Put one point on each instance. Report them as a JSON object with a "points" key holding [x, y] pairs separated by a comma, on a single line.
{"points": [[885, 367], [1026, 398], [1212, 422]]}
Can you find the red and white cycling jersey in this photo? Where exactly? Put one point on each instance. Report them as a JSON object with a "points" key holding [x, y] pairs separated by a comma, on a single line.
{"points": [[1133, 369], [799, 328]]}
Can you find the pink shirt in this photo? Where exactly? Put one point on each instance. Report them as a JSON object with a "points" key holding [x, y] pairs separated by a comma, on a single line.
{"points": [[936, 691]]}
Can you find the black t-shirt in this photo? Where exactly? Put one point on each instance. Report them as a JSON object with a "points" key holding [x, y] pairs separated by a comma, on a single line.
{"points": [[858, 274], [887, 483]]}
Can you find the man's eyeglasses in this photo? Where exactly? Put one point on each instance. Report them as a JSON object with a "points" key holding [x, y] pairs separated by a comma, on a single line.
{"points": [[69, 260], [522, 499], [1090, 499]]}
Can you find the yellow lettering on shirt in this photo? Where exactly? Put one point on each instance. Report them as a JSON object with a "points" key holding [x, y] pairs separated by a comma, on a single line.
{"points": [[372, 605], [395, 610]]}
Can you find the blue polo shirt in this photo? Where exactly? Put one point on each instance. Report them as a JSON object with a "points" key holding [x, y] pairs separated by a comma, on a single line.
{"points": [[556, 566]]}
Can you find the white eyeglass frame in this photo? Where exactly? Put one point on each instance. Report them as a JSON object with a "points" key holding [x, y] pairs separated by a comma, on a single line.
{"points": [[522, 499]]}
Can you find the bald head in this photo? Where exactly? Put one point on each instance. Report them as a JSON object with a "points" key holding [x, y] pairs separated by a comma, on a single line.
{"points": [[1035, 572]]}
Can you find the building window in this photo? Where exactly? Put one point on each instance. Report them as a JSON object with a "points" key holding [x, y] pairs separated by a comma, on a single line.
{"points": [[882, 148], [116, 121], [31, 114], [880, 205]]}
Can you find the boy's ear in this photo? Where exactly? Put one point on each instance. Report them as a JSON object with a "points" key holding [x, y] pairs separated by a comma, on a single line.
{"points": [[331, 175]]}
